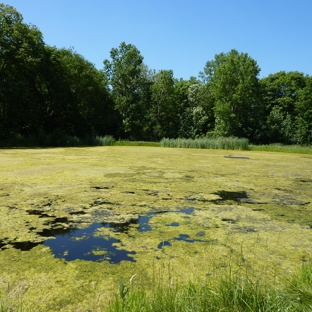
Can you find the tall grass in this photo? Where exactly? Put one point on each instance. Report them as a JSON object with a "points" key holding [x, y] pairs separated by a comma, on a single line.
{"points": [[136, 143], [227, 291], [282, 148], [231, 292], [107, 140], [12, 299], [299, 288], [230, 143]]}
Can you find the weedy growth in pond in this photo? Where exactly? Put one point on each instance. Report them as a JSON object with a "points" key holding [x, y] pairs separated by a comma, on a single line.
{"points": [[133, 210]]}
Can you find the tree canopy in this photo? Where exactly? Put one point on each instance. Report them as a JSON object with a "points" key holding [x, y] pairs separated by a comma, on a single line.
{"points": [[234, 89], [46, 91]]}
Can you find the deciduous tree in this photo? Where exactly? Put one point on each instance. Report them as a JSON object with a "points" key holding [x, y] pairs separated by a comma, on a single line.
{"points": [[124, 74], [280, 95], [234, 88], [21, 48]]}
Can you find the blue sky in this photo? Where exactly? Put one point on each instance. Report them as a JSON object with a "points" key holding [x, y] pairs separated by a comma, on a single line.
{"points": [[181, 35]]}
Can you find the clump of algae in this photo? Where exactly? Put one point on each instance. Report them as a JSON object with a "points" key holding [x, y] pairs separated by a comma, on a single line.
{"points": [[191, 227]]}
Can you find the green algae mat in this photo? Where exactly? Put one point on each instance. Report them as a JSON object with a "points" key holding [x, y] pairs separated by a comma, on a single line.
{"points": [[74, 221]]}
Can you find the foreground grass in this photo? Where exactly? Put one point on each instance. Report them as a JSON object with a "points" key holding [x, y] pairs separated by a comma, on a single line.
{"points": [[232, 291], [229, 290]]}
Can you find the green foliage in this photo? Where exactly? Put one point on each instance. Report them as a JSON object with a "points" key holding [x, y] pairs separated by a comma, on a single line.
{"points": [[48, 90], [235, 90], [57, 138], [234, 291], [230, 143], [162, 111], [303, 114], [125, 76], [104, 141], [299, 287], [280, 98], [76, 96], [21, 51], [193, 122]]}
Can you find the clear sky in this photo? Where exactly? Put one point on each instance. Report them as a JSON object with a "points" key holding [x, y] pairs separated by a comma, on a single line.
{"points": [[181, 35]]}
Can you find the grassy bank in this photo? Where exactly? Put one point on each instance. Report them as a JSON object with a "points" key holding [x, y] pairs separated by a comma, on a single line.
{"points": [[57, 139], [229, 291], [282, 148], [226, 290]]}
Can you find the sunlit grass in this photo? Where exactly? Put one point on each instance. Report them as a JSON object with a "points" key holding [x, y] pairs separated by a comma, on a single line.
{"points": [[230, 143], [135, 143], [282, 148], [231, 291]]}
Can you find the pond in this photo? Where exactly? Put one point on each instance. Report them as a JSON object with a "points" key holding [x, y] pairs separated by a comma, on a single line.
{"points": [[82, 244], [85, 244], [77, 220]]}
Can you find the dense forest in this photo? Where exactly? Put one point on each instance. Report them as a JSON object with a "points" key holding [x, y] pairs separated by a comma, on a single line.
{"points": [[46, 91]]}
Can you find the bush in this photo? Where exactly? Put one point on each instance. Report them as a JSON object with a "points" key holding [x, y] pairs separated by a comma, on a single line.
{"points": [[55, 139]]}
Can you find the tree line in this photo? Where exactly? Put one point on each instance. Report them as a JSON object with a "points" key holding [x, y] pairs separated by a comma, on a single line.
{"points": [[49, 91]]}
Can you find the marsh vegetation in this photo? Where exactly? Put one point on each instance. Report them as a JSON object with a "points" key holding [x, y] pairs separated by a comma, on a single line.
{"points": [[179, 221], [227, 143]]}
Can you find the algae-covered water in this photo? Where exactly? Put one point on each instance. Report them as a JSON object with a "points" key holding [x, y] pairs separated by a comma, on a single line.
{"points": [[73, 221]]}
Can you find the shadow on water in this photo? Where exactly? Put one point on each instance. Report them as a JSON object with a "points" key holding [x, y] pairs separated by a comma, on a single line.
{"points": [[23, 246], [142, 223], [184, 238], [120, 227], [56, 231]]}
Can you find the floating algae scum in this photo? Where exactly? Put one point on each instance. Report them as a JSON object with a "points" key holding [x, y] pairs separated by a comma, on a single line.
{"points": [[76, 220]]}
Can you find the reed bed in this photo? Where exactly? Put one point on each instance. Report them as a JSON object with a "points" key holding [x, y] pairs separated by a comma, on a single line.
{"points": [[229, 143], [136, 143]]}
